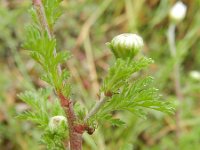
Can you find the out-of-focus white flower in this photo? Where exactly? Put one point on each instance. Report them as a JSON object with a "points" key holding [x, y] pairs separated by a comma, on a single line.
{"points": [[195, 75], [56, 121], [178, 11], [126, 45]]}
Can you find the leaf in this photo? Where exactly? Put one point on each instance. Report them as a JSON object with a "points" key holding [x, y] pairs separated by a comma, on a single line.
{"points": [[52, 11], [48, 78], [61, 57], [30, 98], [37, 100], [121, 72], [39, 118], [117, 122], [134, 97]]}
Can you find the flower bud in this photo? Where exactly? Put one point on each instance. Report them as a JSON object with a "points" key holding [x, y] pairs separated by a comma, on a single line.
{"points": [[126, 45], [178, 12], [56, 122]]}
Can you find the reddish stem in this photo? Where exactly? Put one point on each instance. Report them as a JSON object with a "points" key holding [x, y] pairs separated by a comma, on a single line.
{"points": [[75, 131], [36, 2]]}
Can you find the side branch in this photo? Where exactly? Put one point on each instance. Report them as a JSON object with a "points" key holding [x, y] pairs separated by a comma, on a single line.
{"points": [[96, 108]]}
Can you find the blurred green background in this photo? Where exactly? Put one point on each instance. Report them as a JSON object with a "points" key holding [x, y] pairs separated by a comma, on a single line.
{"points": [[83, 29]]}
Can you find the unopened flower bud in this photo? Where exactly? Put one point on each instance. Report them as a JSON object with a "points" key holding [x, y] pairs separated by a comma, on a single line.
{"points": [[178, 11], [126, 45], [56, 122]]}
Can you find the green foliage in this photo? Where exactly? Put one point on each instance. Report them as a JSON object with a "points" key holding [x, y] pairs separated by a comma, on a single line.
{"points": [[80, 112], [127, 93], [41, 107], [38, 103], [52, 11], [40, 112], [150, 19], [54, 140], [42, 50], [134, 97], [121, 72]]}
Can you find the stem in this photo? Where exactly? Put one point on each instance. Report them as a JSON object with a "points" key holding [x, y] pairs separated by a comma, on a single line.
{"points": [[171, 39], [96, 108], [44, 23], [42, 17], [176, 74], [74, 134], [75, 131]]}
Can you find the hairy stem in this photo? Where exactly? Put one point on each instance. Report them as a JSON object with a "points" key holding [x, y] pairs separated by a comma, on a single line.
{"points": [[44, 23], [75, 131], [42, 17], [176, 74], [74, 134]]}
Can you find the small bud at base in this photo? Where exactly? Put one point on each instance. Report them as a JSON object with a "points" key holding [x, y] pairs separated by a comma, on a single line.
{"points": [[56, 121]]}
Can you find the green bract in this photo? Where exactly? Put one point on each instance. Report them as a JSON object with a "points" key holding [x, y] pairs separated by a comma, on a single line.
{"points": [[126, 45]]}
